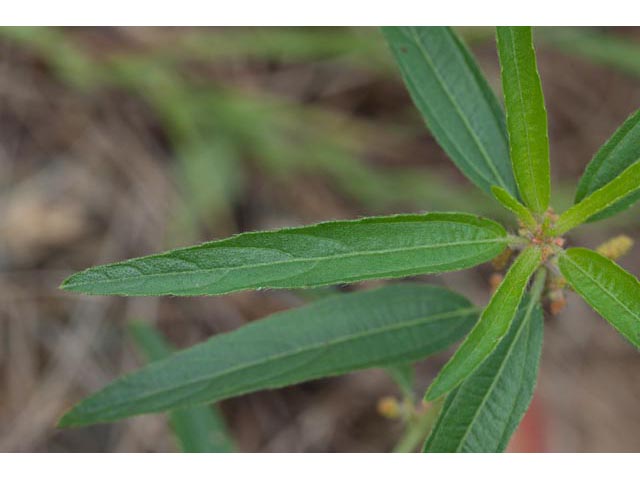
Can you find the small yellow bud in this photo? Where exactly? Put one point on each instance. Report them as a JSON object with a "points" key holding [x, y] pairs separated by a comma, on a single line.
{"points": [[389, 407], [615, 247]]}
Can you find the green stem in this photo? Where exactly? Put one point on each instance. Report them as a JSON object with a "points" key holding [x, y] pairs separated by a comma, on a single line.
{"points": [[516, 241], [420, 429]]}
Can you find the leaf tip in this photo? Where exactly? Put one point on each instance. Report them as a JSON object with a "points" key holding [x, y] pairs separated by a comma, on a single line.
{"points": [[68, 283], [68, 420], [432, 393], [496, 190], [77, 416]]}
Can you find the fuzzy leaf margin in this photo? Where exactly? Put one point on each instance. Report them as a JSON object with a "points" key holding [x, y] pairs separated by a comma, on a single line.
{"points": [[311, 256]]}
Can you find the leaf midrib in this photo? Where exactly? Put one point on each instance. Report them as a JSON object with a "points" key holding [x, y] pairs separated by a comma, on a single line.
{"points": [[516, 286], [280, 262], [526, 124], [485, 155], [350, 337], [598, 284], [505, 436], [498, 373]]}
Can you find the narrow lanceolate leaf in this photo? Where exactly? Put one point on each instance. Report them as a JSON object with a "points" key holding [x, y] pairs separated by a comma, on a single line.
{"points": [[484, 411], [490, 329], [619, 153], [322, 254], [610, 290], [456, 102], [511, 203], [391, 325], [623, 186], [526, 115], [198, 429]]}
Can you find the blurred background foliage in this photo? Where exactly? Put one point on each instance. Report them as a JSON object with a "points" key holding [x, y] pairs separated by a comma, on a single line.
{"points": [[117, 142]]}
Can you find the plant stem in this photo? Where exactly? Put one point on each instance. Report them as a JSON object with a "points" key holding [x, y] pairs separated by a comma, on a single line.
{"points": [[418, 431], [515, 241]]}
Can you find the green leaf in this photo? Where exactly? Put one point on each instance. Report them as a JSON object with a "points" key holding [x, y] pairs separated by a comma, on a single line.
{"points": [[395, 324], [456, 102], [619, 152], [510, 203], [620, 188], [526, 115], [492, 326], [322, 254], [197, 429], [484, 411], [610, 290]]}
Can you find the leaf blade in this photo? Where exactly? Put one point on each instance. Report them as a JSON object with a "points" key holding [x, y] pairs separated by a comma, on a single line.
{"points": [[396, 324], [484, 411], [491, 327], [609, 289], [510, 203], [197, 429], [456, 102], [617, 154], [526, 115], [622, 187], [321, 254]]}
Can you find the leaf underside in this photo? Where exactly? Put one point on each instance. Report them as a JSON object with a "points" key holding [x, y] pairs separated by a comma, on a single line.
{"points": [[456, 102], [492, 326], [322, 254], [610, 290], [616, 155], [395, 324], [484, 411], [526, 115]]}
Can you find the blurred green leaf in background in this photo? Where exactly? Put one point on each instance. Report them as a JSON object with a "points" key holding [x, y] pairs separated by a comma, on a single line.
{"points": [[215, 128]]}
